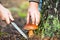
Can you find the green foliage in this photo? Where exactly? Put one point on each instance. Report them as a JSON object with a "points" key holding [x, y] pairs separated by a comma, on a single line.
{"points": [[49, 27], [49, 23], [3, 33], [22, 10]]}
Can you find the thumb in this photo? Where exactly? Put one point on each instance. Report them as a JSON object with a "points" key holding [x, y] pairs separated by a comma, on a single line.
{"points": [[10, 16]]}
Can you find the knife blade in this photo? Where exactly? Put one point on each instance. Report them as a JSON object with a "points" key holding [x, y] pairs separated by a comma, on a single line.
{"points": [[19, 30]]}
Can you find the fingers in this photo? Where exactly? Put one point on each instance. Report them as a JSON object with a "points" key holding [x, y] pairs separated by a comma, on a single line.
{"points": [[33, 18], [28, 17], [10, 17], [2, 18], [37, 18], [7, 20], [6, 15]]}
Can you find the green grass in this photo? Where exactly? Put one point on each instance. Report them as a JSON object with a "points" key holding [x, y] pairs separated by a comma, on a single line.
{"points": [[3, 33]]}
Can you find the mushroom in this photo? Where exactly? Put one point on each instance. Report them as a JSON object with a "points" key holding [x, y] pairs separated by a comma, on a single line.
{"points": [[30, 28]]}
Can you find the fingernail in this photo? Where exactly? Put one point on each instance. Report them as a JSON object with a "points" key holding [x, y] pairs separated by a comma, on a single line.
{"points": [[8, 22], [36, 24]]}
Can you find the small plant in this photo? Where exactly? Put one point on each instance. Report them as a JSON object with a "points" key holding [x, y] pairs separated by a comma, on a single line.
{"points": [[51, 26], [49, 23], [3, 33]]}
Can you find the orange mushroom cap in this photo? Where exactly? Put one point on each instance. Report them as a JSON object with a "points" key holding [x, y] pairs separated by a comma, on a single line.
{"points": [[30, 27]]}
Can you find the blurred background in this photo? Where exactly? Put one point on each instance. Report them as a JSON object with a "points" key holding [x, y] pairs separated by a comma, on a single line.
{"points": [[19, 6], [49, 27]]}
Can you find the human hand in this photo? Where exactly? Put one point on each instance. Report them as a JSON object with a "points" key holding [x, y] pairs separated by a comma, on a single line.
{"points": [[34, 13], [5, 14]]}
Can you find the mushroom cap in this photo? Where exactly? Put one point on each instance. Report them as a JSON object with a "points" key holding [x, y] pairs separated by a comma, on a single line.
{"points": [[30, 27]]}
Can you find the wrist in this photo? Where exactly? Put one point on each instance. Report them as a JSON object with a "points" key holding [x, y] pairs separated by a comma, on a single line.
{"points": [[33, 5]]}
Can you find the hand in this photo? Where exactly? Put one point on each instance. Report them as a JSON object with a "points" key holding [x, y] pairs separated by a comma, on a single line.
{"points": [[34, 13], [5, 14]]}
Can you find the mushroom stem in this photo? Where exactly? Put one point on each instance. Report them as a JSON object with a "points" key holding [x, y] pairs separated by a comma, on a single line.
{"points": [[30, 33]]}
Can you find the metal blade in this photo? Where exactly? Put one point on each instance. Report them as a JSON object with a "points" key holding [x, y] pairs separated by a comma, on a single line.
{"points": [[19, 30]]}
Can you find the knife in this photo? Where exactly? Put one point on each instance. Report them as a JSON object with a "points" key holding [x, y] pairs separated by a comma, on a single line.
{"points": [[19, 30]]}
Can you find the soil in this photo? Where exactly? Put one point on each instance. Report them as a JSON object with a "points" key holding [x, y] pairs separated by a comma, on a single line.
{"points": [[8, 32]]}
